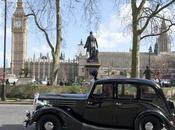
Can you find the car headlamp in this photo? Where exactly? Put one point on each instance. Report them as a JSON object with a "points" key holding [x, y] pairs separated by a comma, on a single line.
{"points": [[39, 103]]}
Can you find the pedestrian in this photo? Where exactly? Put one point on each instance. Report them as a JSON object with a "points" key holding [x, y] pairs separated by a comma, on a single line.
{"points": [[147, 73], [93, 76], [157, 77], [61, 83], [7, 82]]}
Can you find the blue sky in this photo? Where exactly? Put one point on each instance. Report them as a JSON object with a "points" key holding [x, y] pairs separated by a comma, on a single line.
{"points": [[113, 33]]}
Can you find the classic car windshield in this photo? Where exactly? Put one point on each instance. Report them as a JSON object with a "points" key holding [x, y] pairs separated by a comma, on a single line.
{"points": [[88, 86], [83, 88]]}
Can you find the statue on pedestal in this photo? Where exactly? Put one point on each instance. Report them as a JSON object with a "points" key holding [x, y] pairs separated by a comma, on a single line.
{"points": [[92, 48]]}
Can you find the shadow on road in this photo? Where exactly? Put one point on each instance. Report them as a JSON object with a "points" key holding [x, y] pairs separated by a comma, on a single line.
{"points": [[15, 127]]}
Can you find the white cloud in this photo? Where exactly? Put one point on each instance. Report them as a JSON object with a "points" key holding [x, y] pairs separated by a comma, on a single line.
{"points": [[115, 35], [111, 35], [113, 41]]}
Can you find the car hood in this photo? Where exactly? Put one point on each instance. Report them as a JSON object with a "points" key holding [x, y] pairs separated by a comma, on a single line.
{"points": [[51, 96]]}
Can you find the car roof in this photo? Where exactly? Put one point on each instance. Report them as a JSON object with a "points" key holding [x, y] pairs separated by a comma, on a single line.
{"points": [[131, 80]]}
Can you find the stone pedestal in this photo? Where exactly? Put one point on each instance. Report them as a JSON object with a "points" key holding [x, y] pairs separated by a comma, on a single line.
{"points": [[89, 67]]}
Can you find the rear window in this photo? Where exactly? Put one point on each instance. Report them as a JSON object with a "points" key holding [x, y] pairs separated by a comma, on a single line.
{"points": [[147, 92]]}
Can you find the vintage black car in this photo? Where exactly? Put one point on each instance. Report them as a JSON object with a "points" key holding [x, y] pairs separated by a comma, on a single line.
{"points": [[111, 104]]}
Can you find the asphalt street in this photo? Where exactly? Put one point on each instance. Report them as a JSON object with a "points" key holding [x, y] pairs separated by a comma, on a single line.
{"points": [[12, 117]]}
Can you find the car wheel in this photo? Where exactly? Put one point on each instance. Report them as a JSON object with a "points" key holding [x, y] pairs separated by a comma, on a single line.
{"points": [[149, 123], [48, 122]]}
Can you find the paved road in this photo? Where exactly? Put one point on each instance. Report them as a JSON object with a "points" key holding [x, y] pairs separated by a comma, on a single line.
{"points": [[12, 117]]}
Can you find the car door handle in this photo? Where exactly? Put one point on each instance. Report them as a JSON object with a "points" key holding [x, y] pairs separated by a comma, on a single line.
{"points": [[118, 104]]}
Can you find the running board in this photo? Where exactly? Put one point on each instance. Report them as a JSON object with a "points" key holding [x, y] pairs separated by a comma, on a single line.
{"points": [[92, 127]]}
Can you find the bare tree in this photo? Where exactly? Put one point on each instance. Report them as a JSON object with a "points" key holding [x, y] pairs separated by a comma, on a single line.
{"points": [[46, 9], [47, 17], [146, 17], [143, 17]]}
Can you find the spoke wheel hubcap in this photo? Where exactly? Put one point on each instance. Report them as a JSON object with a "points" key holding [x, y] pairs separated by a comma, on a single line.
{"points": [[48, 126], [149, 126]]}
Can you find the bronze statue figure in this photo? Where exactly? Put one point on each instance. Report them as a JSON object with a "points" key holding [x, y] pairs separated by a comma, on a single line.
{"points": [[92, 48]]}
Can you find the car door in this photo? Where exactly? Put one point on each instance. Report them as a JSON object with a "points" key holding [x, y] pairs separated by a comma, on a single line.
{"points": [[127, 105], [100, 105]]}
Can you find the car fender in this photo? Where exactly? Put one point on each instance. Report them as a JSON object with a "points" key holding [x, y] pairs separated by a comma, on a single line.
{"points": [[155, 113], [65, 118]]}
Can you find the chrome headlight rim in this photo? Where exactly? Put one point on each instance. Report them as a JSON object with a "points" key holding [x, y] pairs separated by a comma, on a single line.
{"points": [[39, 103]]}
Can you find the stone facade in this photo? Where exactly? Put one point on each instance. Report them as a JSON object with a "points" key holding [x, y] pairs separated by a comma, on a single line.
{"points": [[113, 64], [19, 39], [40, 69]]}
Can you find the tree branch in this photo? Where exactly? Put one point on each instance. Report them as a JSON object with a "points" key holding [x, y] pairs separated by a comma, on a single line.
{"points": [[142, 5], [40, 28], [154, 13], [148, 19], [165, 6], [157, 34]]}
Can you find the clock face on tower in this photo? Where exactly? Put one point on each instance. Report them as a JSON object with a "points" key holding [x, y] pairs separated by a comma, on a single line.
{"points": [[18, 24]]}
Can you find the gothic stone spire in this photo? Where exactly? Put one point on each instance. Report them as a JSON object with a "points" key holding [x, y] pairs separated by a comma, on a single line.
{"points": [[19, 9], [163, 40]]}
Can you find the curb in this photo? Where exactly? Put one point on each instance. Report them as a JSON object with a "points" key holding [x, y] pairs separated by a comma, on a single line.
{"points": [[20, 102]]}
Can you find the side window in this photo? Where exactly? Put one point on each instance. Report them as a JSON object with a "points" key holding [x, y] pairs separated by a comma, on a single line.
{"points": [[127, 91], [147, 92], [103, 90]]}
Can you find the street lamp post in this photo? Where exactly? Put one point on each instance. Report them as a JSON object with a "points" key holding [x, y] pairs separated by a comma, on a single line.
{"points": [[3, 94], [149, 60]]}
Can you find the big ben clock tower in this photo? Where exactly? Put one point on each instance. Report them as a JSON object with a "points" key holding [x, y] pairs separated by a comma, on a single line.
{"points": [[19, 39]]}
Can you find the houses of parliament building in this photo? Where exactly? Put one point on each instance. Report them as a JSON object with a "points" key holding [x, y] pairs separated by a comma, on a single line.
{"points": [[111, 63]]}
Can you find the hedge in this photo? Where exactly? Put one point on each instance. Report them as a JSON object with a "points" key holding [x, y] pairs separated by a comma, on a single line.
{"points": [[27, 91]]}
